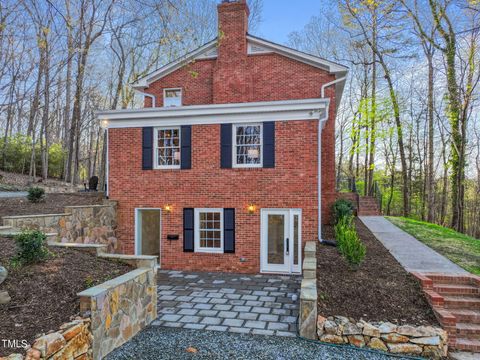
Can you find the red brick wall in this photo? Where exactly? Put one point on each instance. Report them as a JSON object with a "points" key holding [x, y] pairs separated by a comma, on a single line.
{"points": [[291, 184], [233, 77]]}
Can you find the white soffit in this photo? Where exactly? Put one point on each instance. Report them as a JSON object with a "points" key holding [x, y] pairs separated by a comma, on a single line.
{"points": [[307, 109]]}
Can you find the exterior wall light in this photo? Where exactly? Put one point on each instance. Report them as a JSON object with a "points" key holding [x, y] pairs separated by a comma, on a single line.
{"points": [[104, 124], [168, 208], [251, 209]]}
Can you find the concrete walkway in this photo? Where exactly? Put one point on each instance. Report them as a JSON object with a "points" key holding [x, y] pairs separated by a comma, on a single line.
{"points": [[413, 255], [12, 194], [247, 304]]}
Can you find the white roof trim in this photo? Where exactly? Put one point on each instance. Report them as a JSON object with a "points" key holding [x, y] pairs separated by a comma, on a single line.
{"points": [[255, 46], [297, 55], [203, 52], [307, 109]]}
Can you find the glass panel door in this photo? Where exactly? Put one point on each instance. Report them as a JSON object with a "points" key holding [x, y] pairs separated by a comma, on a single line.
{"points": [[296, 240], [274, 255], [281, 241]]}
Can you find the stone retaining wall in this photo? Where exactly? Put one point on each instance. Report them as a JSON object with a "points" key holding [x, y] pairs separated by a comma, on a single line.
{"points": [[308, 293], [121, 307], [426, 341], [87, 224], [72, 341], [112, 312]]}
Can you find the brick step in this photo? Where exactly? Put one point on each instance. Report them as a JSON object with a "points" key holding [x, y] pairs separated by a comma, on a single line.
{"points": [[468, 331], [454, 289], [368, 213], [450, 279], [465, 315], [461, 302], [467, 345]]}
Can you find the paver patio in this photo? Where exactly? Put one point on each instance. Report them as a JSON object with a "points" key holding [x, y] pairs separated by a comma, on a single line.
{"points": [[256, 304]]}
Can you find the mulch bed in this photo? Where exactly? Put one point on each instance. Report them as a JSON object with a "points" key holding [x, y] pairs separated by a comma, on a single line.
{"points": [[44, 295], [53, 204], [380, 290]]}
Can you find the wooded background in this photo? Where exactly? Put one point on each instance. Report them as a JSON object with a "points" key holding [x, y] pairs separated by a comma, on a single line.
{"points": [[408, 124]]}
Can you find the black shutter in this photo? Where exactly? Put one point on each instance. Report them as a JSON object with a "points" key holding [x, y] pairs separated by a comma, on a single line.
{"points": [[188, 230], [147, 148], [186, 152], [269, 144], [226, 146], [229, 230]]}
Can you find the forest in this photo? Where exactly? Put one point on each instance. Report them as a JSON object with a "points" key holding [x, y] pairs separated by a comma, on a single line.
{"points": [[408, 126]]}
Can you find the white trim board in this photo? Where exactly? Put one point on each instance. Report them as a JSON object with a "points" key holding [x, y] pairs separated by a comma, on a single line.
{"points": [[306, 109]]}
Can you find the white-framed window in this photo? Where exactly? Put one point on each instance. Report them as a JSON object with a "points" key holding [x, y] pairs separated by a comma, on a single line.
{"points": [[209, 230], [247, 145], [172, 97], [167, 148]]}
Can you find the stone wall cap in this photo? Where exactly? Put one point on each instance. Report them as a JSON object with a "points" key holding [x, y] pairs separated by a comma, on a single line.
{"points": [[309, 263], [113, 283], [34, 216], [308, 290], [128, 257], [87, 206], [77, 245], [311, 246]]}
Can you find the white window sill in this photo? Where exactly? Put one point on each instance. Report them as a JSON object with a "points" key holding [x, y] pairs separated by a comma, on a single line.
{"points": [[255, 166], [209, 251], [176, 167]]}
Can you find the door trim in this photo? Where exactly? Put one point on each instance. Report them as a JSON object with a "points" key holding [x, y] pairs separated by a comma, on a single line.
{"points": [[263, 241], [137, 236]]}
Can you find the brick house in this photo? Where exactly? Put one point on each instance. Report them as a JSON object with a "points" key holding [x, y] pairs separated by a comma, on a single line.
{"points": [[220, 170]]}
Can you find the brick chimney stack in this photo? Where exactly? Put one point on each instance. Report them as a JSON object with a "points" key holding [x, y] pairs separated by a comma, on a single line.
{"points": [[229, 79]]}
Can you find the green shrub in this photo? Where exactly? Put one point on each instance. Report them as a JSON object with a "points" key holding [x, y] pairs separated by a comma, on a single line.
{"points": [[36, 194], [348, 242], [31, 247], [342, 208]]}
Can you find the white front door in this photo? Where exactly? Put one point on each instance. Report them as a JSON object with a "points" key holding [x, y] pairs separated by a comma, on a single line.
{"points": [[281, 240]]}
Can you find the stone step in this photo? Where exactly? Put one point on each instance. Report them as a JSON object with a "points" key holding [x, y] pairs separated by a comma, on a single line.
{"points": [[461, 302], [468, 331], [464, 315], [455, 289], [467, 345]]}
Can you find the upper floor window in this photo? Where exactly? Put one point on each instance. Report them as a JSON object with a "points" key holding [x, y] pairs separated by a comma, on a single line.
{"points": [[167, 147], [172, 97], [247, 145]]}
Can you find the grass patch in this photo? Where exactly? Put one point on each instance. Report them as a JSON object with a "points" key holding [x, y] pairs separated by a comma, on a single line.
{"points": [[462, 249]]}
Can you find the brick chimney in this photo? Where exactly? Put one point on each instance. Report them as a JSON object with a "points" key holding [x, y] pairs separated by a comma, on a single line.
{"points": [[230, 71]]}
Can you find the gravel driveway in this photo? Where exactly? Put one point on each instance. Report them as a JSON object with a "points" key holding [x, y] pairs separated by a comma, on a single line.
{"points": [[166, 343]]}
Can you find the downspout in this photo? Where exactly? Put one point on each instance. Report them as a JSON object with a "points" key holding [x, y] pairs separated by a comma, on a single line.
{"points": [[154, 99], [321, 124]]}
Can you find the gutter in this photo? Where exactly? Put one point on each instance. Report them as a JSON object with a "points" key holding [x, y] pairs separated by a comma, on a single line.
{"points": [[321, 124]]}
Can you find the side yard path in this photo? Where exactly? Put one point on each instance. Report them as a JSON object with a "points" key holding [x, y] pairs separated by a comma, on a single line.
{"points": [[258, 304], [462, 249], [413, 255], [165, 343]]}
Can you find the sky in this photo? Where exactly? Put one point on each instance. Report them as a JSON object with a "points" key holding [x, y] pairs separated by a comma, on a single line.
{"points": [[281, 17]]}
